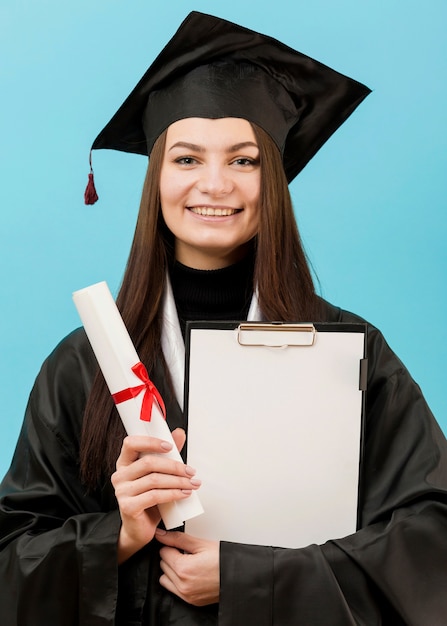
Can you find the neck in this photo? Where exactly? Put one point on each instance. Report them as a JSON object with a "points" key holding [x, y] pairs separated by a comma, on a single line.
{"points": [[204, 259]]}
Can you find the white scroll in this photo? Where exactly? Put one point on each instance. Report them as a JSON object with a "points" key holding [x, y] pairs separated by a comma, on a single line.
{"points": [[117, 356]]}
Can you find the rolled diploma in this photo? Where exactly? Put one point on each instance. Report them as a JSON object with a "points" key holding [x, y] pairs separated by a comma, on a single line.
{"points": [[116, 356]]}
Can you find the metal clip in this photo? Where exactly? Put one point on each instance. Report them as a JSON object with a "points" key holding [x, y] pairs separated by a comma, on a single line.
{"points": [[276, 334]]}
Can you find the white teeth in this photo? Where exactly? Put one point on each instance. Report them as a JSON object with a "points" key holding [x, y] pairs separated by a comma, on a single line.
{"points": [[203, 210]]}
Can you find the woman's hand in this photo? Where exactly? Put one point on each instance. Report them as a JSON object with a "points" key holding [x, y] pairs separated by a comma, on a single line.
{"points": [[190, 567], [143, 479]]}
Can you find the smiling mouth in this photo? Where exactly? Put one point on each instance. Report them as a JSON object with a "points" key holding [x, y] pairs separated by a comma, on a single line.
{"points": [[213, 212]]}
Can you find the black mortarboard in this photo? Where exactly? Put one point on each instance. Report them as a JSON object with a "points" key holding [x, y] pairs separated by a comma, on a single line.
{"points": [[213, 68]]}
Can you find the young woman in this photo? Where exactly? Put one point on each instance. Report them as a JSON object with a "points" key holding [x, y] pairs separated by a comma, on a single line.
{"points": [[227, 121]]}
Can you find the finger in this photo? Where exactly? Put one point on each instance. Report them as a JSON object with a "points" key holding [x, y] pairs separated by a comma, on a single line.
{"points": [[150, 482], [167, 582], [179, 437], [149, 463], [179, 540], [136, 445], [169, 558], [173, 564], [167, 566], [133, 506]]}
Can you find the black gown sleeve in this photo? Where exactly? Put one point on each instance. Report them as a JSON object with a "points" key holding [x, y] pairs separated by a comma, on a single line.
{"points": [[58, 543], [393, 570], [58, 561]]}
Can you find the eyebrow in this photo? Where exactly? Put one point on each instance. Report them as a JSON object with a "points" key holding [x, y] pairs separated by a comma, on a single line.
{"points": [[196, 148]]}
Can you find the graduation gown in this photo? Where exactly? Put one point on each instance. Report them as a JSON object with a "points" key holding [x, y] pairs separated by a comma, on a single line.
{"points": [[58, 561]]}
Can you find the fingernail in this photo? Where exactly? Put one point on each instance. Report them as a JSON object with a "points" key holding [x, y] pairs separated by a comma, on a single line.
{"points": [[195, 481], [165, 445], [187, 492], [190, 471], [160, 531]]}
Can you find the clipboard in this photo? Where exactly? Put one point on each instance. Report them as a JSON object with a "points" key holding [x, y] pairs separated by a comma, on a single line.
{"points": [[275, 424]]}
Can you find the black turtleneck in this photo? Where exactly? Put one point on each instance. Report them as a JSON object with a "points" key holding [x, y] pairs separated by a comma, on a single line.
{"points": [[223, 294]]}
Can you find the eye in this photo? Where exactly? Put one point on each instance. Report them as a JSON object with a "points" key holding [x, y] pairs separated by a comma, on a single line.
{"points": [[245, 162], [186, 160]]}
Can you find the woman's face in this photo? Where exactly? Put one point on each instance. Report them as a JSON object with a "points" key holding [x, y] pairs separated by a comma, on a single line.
{"points": [[209, 190]]}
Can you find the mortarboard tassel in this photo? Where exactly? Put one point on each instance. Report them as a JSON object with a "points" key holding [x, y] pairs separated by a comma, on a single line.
{"points": [[90, 195]]}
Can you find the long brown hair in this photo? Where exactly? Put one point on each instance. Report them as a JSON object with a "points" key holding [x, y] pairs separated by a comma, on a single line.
{"points": [[282, 276]]}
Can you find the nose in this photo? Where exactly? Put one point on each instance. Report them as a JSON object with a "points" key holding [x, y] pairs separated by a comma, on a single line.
{"points": [[215, 181]]}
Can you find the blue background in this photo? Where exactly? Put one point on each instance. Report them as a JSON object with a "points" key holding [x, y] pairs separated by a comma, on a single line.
{"points": [[371, 205]]}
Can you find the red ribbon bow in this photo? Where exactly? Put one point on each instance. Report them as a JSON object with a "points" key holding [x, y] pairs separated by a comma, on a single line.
{"points": [[150, 392]]}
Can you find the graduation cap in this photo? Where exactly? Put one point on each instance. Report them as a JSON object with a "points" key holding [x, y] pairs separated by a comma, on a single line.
{"points": [[213, 68]]}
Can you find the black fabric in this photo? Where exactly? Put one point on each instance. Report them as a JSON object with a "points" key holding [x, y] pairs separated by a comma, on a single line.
{"points": [[223, 89], [213, 68], [58, 544], [222, 294]]}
